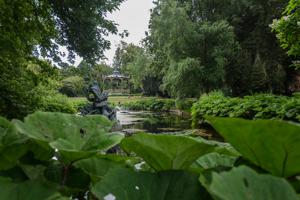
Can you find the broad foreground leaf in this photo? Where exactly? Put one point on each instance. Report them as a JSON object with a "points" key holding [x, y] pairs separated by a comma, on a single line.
{"points": [[213, 161], [166, 152], [127, 184], [12, 145], [28, 190], [74, 137], [97, 167], [244, 183], [272, 145]]}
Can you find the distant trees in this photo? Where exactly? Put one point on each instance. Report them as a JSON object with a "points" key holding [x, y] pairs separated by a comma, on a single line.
{"points": [[217, 44], [75, 80], [136, 62], [73, 86]]}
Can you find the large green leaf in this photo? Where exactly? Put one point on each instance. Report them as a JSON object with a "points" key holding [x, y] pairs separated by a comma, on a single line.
{"points": [[166, 152], [221, 147], [4, 124], [28, 190], [97, 167], [213, 161], [74, 137], [12, 145], [67, 177], [245, 184], [272, 145], [127, 184]]}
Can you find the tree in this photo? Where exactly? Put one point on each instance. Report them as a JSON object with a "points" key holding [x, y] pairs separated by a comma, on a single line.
{"points": [[124, 55], [194, 51], [139, 69], [87, 73], [73, 86], [117, 63], [258, 78], [32, 28], [136, 62], [287, 30], [174, 26]]}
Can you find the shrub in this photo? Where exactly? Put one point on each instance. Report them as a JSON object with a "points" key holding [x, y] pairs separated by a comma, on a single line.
{"points": [[260, 106], [152, 104], [58, 103], [73, 86], [185, 104]]}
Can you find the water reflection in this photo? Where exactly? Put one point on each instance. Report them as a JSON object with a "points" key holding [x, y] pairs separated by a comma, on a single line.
{"points": [[152, 122]]}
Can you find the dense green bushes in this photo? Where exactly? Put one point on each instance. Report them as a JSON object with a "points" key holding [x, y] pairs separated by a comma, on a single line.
{"points": [[58, 103], [73, 86], [185, 104], [164, 105], [263, 106], [152, 104]]}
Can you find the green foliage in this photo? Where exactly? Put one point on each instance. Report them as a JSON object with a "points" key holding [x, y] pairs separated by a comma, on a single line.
{"points": [[152, 104], [215, 44], [11, 147], [261, 106], [64, 158], [88, 72], [32, 29], [213, 161], [271, 145], [136, 61], [258, 76], [173, 185], [185, 104], [98, 166], [57, 103], [73, 138], [175, 80], [38, 190], [139, 68], [23, 85], [198, 52], [73, 86], [287, 28], [166, 152], [244, 183]]}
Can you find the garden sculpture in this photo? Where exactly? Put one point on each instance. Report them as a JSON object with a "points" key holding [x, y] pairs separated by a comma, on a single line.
{"points": [[99, 104]]}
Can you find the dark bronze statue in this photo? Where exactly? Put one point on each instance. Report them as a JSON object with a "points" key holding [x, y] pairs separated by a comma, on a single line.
{"points": [[99, 104]]}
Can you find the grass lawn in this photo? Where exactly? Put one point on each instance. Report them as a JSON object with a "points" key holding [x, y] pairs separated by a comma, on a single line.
{"points": [[125, 99], [112, 99]]}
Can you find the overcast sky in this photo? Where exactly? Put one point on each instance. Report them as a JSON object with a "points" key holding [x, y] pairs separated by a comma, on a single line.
{"points": [[133, 15]]}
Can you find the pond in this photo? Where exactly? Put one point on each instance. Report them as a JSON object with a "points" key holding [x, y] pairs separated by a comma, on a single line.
{"points": [[154, 122], [158, 122]]}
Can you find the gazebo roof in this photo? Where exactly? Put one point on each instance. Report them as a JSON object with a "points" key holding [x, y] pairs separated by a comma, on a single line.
{"points": [[116, 75]]}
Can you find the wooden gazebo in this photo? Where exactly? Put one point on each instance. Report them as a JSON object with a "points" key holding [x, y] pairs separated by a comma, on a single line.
{"points": [[117, 83]]}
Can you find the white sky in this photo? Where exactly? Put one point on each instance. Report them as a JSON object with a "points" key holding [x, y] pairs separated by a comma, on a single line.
{"points": [[133, 15]]}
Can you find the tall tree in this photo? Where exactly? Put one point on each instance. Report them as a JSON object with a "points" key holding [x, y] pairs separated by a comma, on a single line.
{"points": [[197, 49], [32, 28], [250, 21], [287, 30]]}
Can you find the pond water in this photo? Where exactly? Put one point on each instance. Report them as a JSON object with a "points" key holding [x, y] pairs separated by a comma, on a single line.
{"points": [[154, 122], [159, 122]]}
